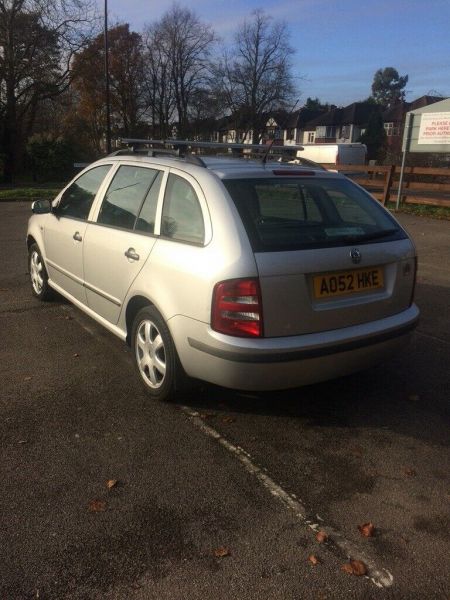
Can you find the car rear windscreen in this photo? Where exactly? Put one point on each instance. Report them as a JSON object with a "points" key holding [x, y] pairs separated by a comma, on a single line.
{"points": [[309, 212]]}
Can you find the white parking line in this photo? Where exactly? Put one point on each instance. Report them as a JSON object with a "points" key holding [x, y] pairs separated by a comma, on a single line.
{"points": [[380, 577]]}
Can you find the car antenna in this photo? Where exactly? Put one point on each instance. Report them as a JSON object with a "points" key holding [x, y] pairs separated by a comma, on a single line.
{"points": [[264, 158]]}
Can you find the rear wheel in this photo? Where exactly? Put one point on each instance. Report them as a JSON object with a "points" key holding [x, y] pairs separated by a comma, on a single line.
{"points": [[38, 274], [155, 355]]}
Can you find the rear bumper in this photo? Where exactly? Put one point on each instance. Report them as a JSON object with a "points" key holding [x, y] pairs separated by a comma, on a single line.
{"points": [[280, 363]]}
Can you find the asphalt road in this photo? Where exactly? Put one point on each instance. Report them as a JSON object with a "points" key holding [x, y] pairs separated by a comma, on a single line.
{"points": [[256, 475]]}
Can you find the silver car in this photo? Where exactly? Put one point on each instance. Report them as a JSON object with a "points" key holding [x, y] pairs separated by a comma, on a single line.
{"points": [[245, 274]]}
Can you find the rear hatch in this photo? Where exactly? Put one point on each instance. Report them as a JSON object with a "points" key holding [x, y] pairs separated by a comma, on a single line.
{"points": [[328, 255]]}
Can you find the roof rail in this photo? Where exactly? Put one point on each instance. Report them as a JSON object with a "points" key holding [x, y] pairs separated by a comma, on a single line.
{"points": [[162, 152], [183, 148], [193, 144], [125, 151]]}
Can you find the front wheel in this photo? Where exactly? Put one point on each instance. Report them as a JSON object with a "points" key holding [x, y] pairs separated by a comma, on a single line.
{"points": [[155, 355], [38, 274]]}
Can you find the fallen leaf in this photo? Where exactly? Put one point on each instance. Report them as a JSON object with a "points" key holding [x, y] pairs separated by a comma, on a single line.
{"points": [[221, 552], [414, 397], [28, 378], [367, 529], [313, 559], [347, 568], [321, 537], [357, 451], [111, 483], [355, 567], [410, 472], [359, 568], [97, 506], [228, 420]]}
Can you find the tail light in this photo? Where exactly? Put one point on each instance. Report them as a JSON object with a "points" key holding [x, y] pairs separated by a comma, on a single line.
{"points": [[413, 291], [237, 308]]}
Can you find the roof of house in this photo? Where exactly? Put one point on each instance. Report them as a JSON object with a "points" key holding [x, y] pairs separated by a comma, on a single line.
{"points": [[397, 112], [357, 113]]}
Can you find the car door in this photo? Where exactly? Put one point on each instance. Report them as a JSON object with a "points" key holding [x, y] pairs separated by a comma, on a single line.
{"points": [[65, 229], [120, 240]]}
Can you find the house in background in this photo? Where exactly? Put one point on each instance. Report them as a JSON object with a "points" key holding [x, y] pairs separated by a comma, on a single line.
{"points": [[313, 126], [280, 126], [394, 120], [294, 132], [343, 125]]}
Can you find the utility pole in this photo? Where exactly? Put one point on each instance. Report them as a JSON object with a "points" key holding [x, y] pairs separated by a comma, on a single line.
{"points": [[107, 95]]}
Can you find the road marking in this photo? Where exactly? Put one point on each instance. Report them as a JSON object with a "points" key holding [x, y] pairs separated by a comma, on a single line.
{"points": [[432, 337], [380, 577]]}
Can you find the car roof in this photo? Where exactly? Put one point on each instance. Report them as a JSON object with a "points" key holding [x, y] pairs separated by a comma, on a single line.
{"points": [[224, 167]]}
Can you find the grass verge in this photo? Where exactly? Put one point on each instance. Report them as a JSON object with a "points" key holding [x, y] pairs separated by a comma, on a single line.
{"points": [[29, 194], [423, 210]]}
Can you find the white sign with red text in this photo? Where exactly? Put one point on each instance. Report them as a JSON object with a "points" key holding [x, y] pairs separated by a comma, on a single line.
{"points": [[434, 128]]}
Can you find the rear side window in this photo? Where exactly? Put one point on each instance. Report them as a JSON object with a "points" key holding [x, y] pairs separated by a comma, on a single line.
{"points": [[127, 195], [289, 214], [77, 200], [182, 218]]}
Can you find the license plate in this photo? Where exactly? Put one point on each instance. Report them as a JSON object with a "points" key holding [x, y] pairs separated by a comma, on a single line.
{"points": [[348, 282]]}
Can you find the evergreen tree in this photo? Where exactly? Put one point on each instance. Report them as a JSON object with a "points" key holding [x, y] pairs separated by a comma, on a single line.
{"points": [[388, 86], [375, 137]]}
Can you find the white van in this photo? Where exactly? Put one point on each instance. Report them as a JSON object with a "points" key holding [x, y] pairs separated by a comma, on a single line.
{"points": [[334, 154]]}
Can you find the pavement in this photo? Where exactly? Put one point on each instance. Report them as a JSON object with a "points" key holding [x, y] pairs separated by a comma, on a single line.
{"points": [[218, 494]]}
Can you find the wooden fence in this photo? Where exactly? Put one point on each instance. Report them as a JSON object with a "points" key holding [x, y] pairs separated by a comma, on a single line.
{"points": [[421, 185]]}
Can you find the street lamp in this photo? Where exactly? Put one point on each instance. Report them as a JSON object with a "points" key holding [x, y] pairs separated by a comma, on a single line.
{"points": [[107, 98]]}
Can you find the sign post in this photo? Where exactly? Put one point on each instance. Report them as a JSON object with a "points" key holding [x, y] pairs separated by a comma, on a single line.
{"points": [[406, 144], [434, 128], [427, 129]]}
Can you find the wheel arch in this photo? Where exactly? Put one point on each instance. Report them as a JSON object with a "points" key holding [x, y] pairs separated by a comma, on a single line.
{"points": [[31, 240], [133, 307]]}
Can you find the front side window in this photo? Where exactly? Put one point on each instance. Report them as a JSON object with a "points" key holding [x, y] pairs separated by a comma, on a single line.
{"points": [[182, 217], [77, 200], [294, 213], [126, 196]]}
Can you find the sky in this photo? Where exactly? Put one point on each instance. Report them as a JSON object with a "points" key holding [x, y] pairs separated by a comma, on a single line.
{"points": [[339, 44]]}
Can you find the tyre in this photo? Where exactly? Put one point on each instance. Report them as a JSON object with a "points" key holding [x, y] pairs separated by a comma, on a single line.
{"points": [[155, 355], [38, 274]]}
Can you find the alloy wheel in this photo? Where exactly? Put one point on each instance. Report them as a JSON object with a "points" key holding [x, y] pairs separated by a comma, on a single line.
{"points": [[150, 354], [37, 272]]}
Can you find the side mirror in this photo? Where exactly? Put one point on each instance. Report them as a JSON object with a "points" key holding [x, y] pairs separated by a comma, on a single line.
{"points": [[41, 207]]}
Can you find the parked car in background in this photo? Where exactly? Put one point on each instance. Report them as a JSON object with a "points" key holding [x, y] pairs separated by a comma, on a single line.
{"points": [[245, 274]]}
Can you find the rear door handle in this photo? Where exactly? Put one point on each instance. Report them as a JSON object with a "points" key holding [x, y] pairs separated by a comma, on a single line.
{"points": [[77, 237], [132, 254]]}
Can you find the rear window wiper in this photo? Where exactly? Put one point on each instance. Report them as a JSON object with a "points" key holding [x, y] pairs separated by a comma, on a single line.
{"points": [[369, 236]]}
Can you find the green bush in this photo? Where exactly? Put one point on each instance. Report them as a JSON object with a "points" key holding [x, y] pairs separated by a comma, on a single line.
{"points": [[51, 158]]}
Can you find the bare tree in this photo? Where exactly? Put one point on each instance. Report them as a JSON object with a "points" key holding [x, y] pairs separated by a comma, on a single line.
{"points": [[181, 46], [37, 42], [158, 81], [255, 76]]}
